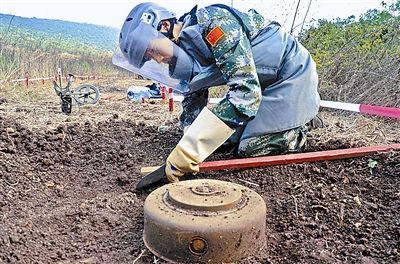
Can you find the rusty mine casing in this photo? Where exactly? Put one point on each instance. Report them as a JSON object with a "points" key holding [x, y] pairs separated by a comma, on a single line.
{"points": [[204, 221]]}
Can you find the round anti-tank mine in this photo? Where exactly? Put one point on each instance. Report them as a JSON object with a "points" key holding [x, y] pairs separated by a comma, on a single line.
{"points": [[204, 221]]}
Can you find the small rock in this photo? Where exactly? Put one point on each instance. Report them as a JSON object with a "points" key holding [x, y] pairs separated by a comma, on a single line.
{"points": [[287, 235], [50, 184], [324, 228], [6, 240], [315, 169], [14, 239], [357, 200], [10, 130], [163, 128], [47, 162], [346, 179]]}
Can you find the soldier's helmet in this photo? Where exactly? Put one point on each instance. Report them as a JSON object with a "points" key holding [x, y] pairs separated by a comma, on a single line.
{"points": [[134, 45]]}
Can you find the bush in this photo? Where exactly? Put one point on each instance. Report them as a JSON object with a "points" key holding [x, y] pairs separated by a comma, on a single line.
{"points": [[358, 61]]}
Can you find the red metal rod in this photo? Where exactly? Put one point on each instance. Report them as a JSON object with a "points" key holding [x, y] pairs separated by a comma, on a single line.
{"points": [[294, 158]]}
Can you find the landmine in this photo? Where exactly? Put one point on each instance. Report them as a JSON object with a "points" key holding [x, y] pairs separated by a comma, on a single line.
{"points": [[204, 221]]}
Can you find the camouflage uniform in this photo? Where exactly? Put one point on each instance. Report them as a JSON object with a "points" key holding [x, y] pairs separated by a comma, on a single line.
{"points": [[234, 58], [233, 55], [288, 141]]}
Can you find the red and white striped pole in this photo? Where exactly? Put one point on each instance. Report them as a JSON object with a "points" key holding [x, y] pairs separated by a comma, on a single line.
{"points": [[59, 75], [27, 80], [360, 108], [363, 108], [163, 96], [170, 99]]}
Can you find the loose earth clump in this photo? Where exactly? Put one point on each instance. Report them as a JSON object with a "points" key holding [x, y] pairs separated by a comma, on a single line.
{"points": [[67, 191]]}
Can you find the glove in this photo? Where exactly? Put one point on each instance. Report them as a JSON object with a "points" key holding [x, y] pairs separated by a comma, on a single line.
{"points": [[202, 138], [185, 129]]}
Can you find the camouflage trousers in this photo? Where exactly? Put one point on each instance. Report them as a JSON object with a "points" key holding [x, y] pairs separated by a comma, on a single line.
{"points": [[288, 141]]}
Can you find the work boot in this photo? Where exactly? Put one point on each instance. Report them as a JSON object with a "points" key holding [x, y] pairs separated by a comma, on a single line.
{"points": [[316, 122]]}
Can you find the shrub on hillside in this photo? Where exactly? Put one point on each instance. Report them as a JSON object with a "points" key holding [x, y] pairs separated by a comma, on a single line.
{"points": [[358, 61]]}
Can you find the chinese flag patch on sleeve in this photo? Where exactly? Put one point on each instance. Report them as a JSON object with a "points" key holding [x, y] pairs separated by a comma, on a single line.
{"points": [[214, 35]]}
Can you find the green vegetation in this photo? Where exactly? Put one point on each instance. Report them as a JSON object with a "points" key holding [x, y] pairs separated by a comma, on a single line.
{"points": [[37, 47], [99, 37], [358, 61]]}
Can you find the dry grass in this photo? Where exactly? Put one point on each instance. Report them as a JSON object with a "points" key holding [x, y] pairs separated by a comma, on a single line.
{"points": [[366, 130], [38, 108]]}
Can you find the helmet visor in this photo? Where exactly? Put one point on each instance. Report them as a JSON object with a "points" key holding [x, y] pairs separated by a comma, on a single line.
{"points": [[149, 53]]}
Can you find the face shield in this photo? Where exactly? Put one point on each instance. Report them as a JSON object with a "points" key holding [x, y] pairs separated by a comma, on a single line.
{"points": [[149, 53]]}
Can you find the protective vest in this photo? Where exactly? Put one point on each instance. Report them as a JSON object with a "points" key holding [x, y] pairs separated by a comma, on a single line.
{"points": [[286, 72]]}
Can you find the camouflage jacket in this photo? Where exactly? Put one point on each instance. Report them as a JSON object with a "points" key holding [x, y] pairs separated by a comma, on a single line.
{"points": [[261, 65]]}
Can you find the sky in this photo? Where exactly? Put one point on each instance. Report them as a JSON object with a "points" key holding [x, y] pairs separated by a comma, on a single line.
{"points": [[113, 13]]}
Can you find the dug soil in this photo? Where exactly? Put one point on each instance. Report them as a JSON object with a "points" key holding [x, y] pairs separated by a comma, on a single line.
{"points": [[67, 195]]}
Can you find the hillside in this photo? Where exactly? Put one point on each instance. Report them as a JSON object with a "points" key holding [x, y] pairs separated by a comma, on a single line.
{"points": [[37, 47], [101, 37]]}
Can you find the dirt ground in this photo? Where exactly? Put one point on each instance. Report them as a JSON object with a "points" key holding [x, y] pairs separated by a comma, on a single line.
{"points": [[67, 184]]}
